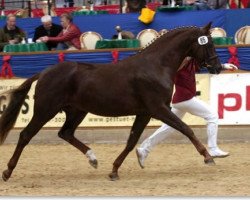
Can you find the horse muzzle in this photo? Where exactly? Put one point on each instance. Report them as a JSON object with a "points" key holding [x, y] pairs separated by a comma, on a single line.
{"points": [[214, 69]]}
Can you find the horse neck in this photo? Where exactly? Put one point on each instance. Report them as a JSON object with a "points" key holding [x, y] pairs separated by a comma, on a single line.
{"points": [[170, 49]]}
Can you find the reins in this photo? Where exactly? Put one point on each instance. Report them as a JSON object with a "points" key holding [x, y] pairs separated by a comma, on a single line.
{"points": [[205, 62]]}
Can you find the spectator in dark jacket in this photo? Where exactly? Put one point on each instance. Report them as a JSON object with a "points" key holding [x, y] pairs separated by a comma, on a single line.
{"points": [[217, 4], [47, 29], [135, 5], [207, 4]]}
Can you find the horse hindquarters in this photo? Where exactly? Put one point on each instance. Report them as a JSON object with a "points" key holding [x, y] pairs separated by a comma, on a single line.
{"points": [[37, 122], [10, 115], [43, 112]]}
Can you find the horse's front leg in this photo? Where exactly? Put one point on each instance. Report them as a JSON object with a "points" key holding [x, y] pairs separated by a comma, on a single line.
{"points": [[164, 114], [140, 123]]}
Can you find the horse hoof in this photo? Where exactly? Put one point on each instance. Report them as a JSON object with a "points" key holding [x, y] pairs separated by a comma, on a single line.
{"points": [[113, 176], [209, 161], [6, 175], [93, 163]]}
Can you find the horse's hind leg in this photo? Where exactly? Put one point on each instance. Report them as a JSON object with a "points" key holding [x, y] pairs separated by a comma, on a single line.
{"points": [[73, 119], [26, 135], [140, 123], [164, 114]]}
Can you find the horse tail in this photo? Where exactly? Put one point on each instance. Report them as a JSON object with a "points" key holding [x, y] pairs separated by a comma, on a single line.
{"points": [[17, 97]]}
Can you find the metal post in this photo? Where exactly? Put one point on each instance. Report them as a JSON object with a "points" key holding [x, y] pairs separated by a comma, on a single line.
{"points": [[217, 4], [49, 7], [2, 4], [29, 8], [121, 4]]}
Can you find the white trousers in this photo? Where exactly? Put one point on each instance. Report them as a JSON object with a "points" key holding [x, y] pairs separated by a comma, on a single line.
{"points": [[195, 107]]}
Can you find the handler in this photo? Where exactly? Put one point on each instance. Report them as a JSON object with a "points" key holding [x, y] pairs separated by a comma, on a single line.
{"points": [[184, 101]]}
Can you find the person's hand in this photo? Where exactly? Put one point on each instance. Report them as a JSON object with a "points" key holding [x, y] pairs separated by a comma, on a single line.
{"points": [[190, 2], [12, 41], [230, 66], [44, 39]]}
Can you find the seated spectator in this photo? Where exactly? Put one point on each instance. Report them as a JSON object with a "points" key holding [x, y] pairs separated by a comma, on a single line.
{"points": [[69, 2], [69, 37], [197, 4], [10, 33], [217, 4], [169, 2], [135, 5], [201, 5], [47, 29], [207, 4]]}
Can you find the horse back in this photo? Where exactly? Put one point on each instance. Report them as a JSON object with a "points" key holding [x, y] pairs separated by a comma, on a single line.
{"points": [[102, 89], [88, 87]]}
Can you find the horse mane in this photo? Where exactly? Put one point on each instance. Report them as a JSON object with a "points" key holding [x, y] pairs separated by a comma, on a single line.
{"points": [[171, 31]]}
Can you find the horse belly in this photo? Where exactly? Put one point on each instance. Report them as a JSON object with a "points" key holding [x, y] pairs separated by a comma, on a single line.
{"points": [[108, 93], [110, 106]]}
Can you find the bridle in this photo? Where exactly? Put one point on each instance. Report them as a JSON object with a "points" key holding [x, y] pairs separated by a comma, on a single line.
{"points": [[207, 60], [203, 41]]}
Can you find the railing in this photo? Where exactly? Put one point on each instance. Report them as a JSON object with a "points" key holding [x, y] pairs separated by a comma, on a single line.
{"points": [[34, 4], [15, 4], [9, 4], [24, 5]]}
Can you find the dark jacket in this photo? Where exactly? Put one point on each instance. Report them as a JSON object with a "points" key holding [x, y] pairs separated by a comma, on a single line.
{"points": [[135, 5], [6, 35], [72, 36], [40, 31]]}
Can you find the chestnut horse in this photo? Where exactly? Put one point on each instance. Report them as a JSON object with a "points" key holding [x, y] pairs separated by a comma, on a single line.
{"points": [[140, 85]]}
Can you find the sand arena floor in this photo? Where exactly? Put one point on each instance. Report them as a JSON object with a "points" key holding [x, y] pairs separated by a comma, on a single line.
{"points": [[171, 170]]}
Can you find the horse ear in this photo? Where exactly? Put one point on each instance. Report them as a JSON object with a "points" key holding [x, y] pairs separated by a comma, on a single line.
{"points": [[207, 27]]}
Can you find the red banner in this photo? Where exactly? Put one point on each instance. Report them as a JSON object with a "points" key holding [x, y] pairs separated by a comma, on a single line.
{"points": [[6, 67]]}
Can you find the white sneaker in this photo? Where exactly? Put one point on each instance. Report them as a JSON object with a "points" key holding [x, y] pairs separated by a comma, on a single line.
{"points": [[217, 153], [141, 156]]}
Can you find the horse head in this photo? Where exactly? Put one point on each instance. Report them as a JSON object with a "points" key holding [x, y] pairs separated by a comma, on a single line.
{"points": [[203, 51]]}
